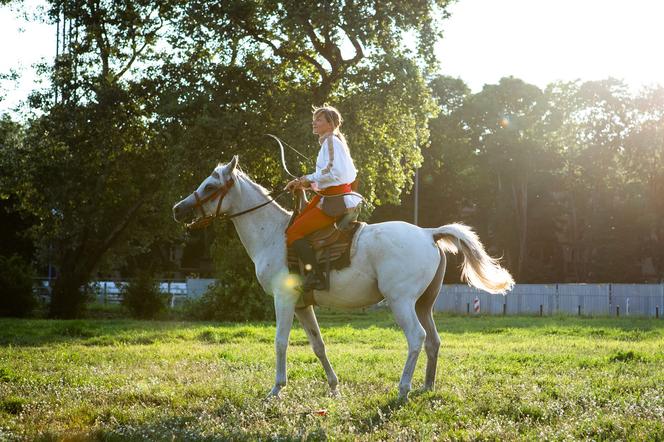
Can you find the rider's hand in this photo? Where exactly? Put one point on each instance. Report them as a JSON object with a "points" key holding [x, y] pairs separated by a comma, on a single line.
{"points": [[293, 184]]}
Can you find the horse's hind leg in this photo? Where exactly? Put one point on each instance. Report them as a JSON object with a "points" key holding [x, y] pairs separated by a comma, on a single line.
{"points": [[424, 310], [431, 346], [307, 318], [404, 313]]}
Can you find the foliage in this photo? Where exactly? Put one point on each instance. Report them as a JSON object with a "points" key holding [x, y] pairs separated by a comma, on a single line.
{"points": [[237, 295], [142, 298], [500, 378], [561, 182], [16, 279], [93, 147]]}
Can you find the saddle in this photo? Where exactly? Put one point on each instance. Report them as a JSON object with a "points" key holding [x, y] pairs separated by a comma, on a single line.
{"points": [[332, 246]]}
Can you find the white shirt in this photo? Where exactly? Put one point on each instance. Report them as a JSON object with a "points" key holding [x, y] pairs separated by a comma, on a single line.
{"points": [[334, 167]]}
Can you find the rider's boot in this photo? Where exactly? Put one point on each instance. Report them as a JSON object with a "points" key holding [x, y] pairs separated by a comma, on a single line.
{"points": [[314, 279]]}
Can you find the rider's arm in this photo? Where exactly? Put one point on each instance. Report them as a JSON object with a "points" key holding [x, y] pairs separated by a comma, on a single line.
{"points": [[334, 165]]}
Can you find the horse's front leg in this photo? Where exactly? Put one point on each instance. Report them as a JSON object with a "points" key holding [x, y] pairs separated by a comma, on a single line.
{"points": [[307, 318], [284, 306]]}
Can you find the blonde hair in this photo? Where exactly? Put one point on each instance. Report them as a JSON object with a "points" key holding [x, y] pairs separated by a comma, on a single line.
{"points": [[332, 116]]}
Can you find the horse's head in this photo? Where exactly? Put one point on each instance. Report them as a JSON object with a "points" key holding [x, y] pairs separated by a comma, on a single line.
{"points": [[207, 201]]}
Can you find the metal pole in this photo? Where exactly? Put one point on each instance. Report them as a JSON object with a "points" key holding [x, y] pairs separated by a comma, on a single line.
{"points": [[417, 186], [417, 196]]}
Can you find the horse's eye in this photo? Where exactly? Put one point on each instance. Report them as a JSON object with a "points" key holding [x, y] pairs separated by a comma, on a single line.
{"points": [[209, 188]]}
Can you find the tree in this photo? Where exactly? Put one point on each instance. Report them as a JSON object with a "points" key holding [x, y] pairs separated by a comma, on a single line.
{"points": [[91, 167], [594, 119], [250, 68], [644, 156], [505, 123]]}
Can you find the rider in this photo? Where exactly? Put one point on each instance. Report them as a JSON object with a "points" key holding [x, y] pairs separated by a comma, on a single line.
{"points": [[334, 174]]}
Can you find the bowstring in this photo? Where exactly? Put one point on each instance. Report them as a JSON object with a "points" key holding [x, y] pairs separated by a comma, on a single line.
{"points": [[283, 154]]}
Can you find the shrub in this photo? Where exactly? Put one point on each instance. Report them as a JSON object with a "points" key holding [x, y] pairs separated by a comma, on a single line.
{"points": [[237, 296], [240, 300], [16, 296], [142, 297]]}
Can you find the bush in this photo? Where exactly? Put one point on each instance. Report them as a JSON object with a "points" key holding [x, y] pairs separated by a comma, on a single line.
{"points": [[142, 297], [241, 300], [238, 296], [16, 296]]}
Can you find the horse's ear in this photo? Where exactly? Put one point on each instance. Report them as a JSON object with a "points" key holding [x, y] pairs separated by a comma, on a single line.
{"points": [[233, 164]]}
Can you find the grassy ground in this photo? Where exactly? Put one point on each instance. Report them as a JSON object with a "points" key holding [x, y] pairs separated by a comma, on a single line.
{"points": [[499, 379]]}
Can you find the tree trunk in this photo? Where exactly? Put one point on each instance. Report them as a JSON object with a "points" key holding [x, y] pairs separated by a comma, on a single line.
{"points": [[520, 204], [68, 298]]}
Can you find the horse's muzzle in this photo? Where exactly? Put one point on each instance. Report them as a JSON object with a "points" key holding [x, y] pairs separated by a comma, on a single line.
{"points": [[182, 212]]}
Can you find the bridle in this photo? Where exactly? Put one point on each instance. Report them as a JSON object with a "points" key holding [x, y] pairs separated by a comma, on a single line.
{"points": [[221, 192]]}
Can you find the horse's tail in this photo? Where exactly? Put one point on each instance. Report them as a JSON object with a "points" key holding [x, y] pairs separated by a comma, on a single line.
{"points": [[479, 269]]}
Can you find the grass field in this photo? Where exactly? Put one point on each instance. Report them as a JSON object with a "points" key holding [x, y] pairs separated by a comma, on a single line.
{"points": [[500, 378]]}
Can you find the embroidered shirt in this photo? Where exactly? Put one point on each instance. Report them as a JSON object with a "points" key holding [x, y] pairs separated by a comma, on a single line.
{"points": [[334, 166]]}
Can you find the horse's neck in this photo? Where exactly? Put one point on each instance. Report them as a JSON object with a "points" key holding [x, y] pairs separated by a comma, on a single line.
{"points": [[263, 228]]}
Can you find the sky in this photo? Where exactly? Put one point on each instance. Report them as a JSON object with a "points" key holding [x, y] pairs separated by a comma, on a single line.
{"points": [[539, 41]]}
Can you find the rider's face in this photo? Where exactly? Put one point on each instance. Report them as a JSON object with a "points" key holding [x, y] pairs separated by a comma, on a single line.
{"points": [[320, 125]]}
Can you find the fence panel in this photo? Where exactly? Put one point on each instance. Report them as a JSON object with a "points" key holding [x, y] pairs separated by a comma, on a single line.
{"points": [[573, 299], [636, 299], [529, 298], [584, 299]]}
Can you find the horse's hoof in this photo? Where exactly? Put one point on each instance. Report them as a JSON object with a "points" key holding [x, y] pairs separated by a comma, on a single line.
{"points": [[336, 394], [273, 394]]}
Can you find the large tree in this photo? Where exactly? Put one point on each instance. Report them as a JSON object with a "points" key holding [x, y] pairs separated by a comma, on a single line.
{"points": [[91, 165]]}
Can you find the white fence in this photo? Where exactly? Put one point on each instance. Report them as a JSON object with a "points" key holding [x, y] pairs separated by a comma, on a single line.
{"points": [[110, 291], [548, 299], [524, 299]]}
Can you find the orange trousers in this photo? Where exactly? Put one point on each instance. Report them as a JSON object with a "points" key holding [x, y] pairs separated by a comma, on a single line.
{"points": [[312, 218]]}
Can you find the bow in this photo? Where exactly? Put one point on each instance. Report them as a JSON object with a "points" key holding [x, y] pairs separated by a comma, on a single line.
{"points": [[283, 155]]}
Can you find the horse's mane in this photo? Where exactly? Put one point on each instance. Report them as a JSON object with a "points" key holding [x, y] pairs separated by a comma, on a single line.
{"points": [[242, 175]]}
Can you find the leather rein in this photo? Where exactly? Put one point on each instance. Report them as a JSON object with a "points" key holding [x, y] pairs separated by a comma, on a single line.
{"points": [[221, 192]]}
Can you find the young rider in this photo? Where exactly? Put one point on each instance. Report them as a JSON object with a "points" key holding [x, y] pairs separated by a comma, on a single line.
{"points": [[335, 171]]}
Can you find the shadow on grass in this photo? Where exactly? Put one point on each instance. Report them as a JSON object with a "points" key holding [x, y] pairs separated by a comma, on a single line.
{"points": [[38, 332], [187, 428]]}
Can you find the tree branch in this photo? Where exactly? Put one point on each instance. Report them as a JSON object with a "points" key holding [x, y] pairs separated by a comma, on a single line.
{"points": [[135, 53], [288, 55], [359, 52], [99, 38]]}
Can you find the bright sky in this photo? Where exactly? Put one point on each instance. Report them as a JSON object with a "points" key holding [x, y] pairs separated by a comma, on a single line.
{"points": [[539, 41]]}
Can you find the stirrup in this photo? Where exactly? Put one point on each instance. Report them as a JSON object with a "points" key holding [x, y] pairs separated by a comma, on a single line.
{"points": [[313, 281]]}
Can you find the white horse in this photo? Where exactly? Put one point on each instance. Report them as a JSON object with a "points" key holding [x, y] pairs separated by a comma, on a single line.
{"points": [[396, 261]]}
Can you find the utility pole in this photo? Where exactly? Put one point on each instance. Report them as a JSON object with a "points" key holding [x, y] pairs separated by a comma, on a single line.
{"points": [[417, 187]]}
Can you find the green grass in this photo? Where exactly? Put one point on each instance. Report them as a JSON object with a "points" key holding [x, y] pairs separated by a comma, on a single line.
{"points": [[500, 378]]}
